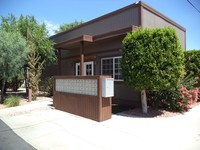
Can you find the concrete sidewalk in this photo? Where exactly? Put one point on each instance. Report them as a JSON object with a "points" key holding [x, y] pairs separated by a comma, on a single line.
{"points": [[50, 129]]}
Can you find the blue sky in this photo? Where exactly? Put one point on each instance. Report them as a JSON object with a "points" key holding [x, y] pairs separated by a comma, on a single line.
{"points": [[56, 12]]}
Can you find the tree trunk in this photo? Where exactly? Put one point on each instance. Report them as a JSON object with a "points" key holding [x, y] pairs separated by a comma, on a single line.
{"points": [[144, 101], [29, 95], [26, 81], [2, 91], [5, 88], [15, 85]]}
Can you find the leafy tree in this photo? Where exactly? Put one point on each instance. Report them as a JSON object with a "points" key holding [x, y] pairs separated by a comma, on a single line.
{"points": [[17, 81], [152, 59], [9, 24], [68, 26], [13, 55], [43, 46]]}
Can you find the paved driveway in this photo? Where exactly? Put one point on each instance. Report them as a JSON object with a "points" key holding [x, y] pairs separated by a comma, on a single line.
{"points": [[49, 129]]}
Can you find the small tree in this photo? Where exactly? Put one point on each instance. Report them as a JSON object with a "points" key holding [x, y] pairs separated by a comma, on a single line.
{"points": [[152, 59], [43, 46], [34, 68], [13, 55]]}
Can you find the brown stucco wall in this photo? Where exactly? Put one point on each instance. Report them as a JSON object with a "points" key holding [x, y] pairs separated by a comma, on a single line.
{"points": [[104, 24], [67, 67], [136, 14], [151, 20], [103, 49], [97, 108]]}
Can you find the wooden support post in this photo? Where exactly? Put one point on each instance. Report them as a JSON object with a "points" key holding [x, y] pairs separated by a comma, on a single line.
{"points": [[99, 88], [82, 58]]}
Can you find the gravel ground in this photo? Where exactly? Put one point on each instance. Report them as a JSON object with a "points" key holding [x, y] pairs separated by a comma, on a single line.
{"points": [[44, 103], [152, 113], [24, 101]]}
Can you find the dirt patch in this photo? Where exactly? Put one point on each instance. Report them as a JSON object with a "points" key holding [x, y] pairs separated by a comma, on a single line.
{"points": [[119, 108], [158, 113], [2, 106], [152, 113]]}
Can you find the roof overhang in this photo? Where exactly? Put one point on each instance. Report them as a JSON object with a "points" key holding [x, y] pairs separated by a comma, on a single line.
{"points": [[71, 42], [74, 43]]}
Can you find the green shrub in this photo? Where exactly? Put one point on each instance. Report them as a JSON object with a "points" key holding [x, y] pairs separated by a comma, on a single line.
{"points": [[178, 98], [12, 100], [47, 86], [192, 63], [165, 99]]}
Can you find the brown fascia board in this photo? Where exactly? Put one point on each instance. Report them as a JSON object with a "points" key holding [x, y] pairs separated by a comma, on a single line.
{"points": [[162, 16], [97, 19], [85, 38]]}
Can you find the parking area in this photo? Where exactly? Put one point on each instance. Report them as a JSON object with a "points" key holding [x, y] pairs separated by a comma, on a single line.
{"points": [[44, 128]]}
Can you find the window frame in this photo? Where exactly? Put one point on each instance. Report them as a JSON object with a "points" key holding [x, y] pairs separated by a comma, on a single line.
{"points": [[85, 63], [113, 59]]}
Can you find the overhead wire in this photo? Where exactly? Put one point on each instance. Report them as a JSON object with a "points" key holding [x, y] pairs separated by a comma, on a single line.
{"points": [[193, 6]]}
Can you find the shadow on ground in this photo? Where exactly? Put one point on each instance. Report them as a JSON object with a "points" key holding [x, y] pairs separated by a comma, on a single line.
{"points": [[22, 93], [120, 108], [135, 112], [9, 140]]}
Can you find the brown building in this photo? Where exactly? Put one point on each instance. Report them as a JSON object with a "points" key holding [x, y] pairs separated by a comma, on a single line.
{"points": [[97, 44]]}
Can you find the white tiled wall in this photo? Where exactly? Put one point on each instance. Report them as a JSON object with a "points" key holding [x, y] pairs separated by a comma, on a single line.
{"points": [[77, 86]]}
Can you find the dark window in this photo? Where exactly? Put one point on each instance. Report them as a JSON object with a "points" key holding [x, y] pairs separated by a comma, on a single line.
{"points": [[111, 66]]}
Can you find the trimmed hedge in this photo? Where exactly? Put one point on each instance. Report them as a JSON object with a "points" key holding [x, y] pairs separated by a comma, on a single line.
{"points": [[152, 59]]}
